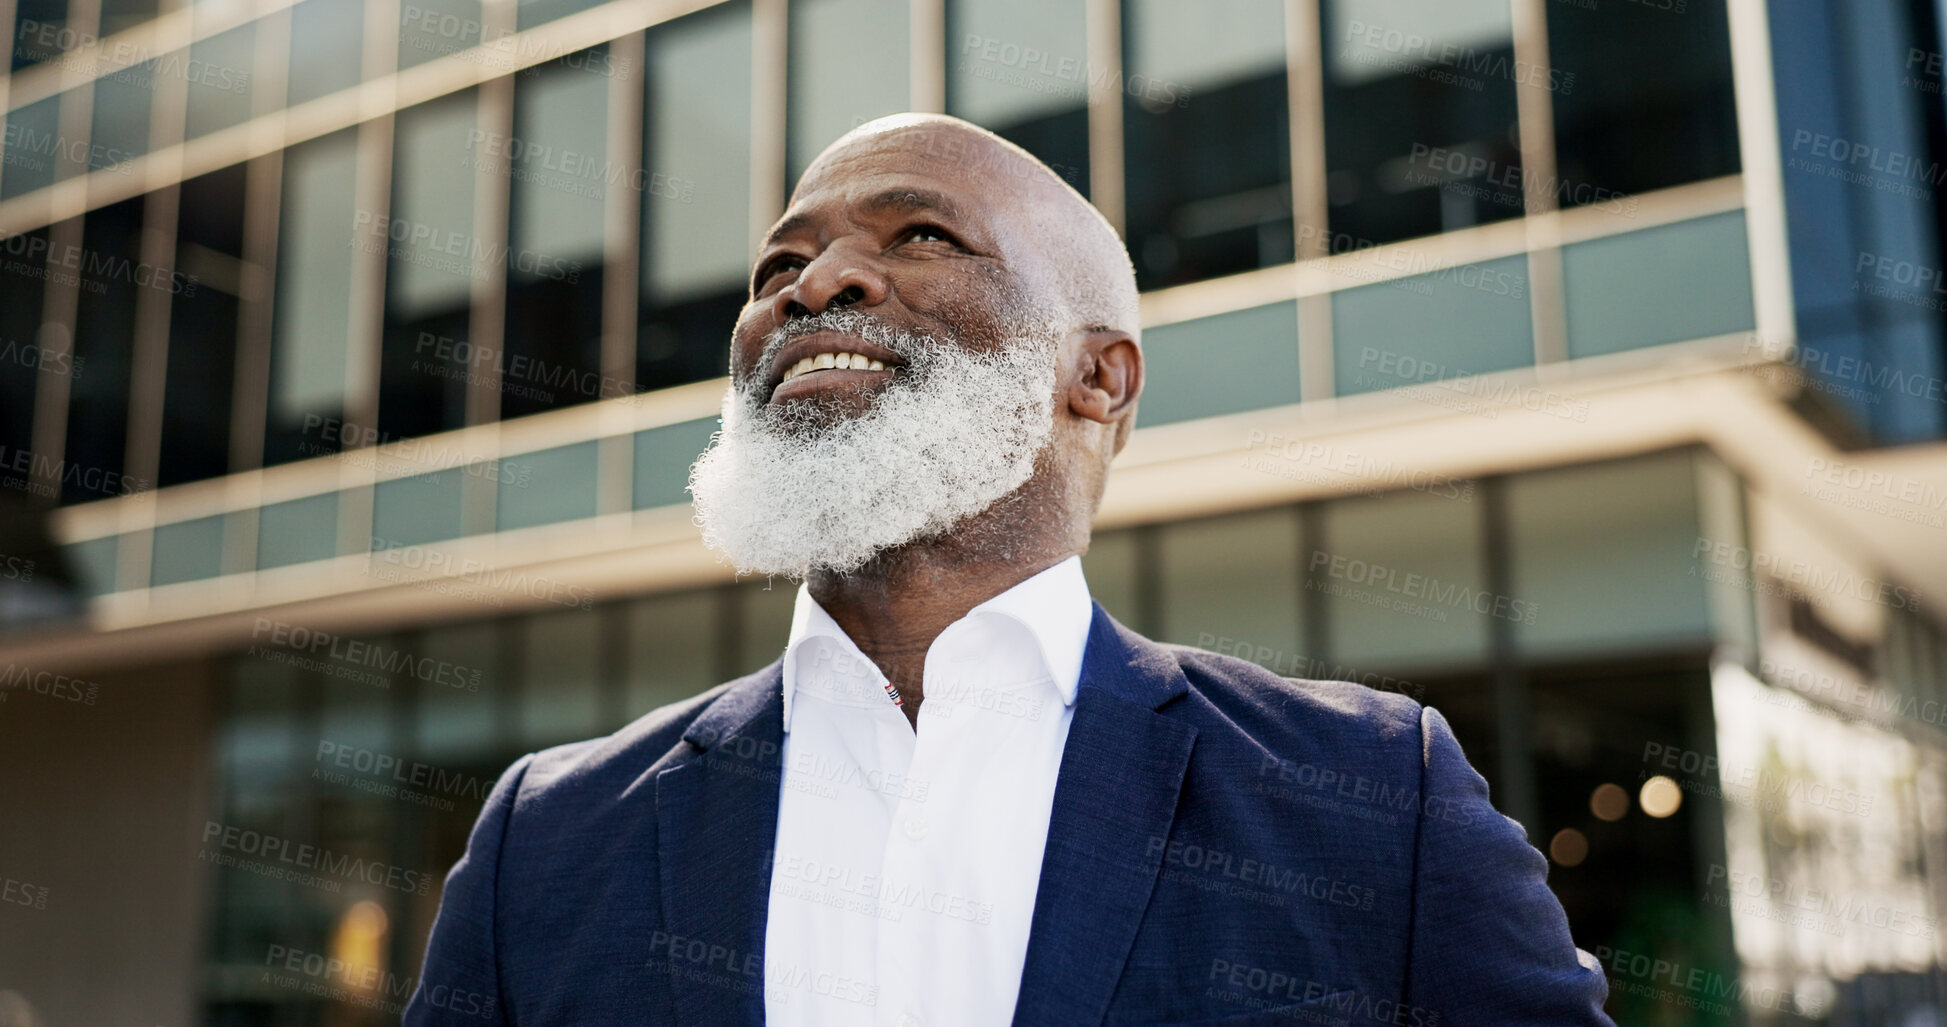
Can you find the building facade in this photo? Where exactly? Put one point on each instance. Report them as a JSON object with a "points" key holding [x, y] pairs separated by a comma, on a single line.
{"points": [[1574, 366]]}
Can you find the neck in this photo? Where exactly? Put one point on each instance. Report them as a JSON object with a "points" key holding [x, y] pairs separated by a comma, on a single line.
{"points": [[896, 605]]}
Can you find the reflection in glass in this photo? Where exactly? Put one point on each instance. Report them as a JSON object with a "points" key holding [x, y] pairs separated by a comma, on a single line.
{"points": [[20, 326], [327, 48], [425, 361], [1020, 68], [536, 12], [1207, 134], [764, 621], [1606, 551], [1231, 584], [33, 144], [1110, 567], [455, 724], [1403, 580], [217, 73], [1435, 332], [318, 235], [834, 88], [37, 31], [672, 649], [1651, 105], [560, 685], [695, 195], [123, 113], [559, 162], [117, 15], [436, 28], [112, 277], [203, 328], [258, 756], [1636, 886], [1420, 127]]}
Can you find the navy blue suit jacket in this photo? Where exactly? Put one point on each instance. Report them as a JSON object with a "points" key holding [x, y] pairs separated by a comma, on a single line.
{"points": [[1226, 847]]}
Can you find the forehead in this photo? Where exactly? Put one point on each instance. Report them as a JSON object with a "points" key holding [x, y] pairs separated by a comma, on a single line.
{"points": [[955, 173]]}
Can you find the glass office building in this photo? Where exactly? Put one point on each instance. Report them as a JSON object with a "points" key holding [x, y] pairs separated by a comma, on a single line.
{"points": [[1574, 366]]}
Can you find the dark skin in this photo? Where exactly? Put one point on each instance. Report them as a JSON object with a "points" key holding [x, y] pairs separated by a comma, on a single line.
{"points": [[934, 227]]}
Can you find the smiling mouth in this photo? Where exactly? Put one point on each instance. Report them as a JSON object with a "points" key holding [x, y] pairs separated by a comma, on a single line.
{"points": [[832, 361]]}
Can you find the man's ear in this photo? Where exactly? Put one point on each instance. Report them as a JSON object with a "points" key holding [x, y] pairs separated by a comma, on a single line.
{"points": [[1108, 375]]}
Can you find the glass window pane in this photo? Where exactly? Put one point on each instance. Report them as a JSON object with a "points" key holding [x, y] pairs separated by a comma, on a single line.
{"points": [[297, 531], [327, 49], [258, 755], [672, 649], [31, 146], [117, 15], [21, 288], [38, 31], [422, 508], [1420, 133], [1433, 328], [93, 563], [535, 12], [1652, 103], [187, 551], [1231, 584], [427, 360], [109, 263], [1402, 579], [455, 725], [1689, 280], [124, 110], [1207, 138], [435, 28], [549, 486], [218, 72], [662, 461], [695, 195], [1110, 568], [833, 89], [203, 328], [560, 693], [318, 235], [1020, 68], [1605, 551], [764, 621], [1241, 360], [558, 159]]}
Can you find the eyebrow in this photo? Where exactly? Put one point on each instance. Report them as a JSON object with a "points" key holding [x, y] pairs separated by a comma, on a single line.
{"points": [[906, 201]]}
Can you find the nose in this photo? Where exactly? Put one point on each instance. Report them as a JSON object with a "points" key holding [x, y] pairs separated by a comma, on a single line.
{"points": [[836, 278]]}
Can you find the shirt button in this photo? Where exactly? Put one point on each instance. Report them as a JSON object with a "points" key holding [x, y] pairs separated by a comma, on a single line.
{"points": [[909, 1020], [915, 829]]}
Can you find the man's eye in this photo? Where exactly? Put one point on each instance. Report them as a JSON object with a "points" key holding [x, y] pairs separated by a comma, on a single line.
{"points": [[927, 233], [780, 266]]}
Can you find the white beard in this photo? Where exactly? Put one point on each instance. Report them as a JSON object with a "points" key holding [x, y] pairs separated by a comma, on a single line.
{"points": [[789, 490]]}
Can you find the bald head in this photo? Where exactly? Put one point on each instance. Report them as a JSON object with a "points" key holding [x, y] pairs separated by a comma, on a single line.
{"points": [[1087, 265]]}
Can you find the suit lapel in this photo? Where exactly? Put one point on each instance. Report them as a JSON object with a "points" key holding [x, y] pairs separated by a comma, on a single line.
{"points": [[1114, 803], [716, 816]]}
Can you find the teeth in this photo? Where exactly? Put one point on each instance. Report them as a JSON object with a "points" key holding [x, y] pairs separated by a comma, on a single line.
{"points": [[845, 361]]}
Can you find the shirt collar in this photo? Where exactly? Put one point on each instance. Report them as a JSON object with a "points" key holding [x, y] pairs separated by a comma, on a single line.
{"points": [[1053, 605]]}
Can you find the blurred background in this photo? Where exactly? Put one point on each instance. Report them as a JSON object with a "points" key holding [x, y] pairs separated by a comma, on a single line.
{"points": [[1574, 366]]}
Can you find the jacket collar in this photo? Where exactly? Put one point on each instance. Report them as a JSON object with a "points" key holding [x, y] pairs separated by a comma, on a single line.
{"points": [[1121, 771]]}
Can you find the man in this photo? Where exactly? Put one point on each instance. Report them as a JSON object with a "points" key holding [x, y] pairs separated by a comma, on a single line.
{"points": [[964, 794]]}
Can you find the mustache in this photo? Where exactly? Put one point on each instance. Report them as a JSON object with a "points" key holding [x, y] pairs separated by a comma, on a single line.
{"points": [[911, 347]]}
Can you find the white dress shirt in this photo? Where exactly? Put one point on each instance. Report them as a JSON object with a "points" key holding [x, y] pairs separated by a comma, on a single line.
{"points": [[907, 863]]}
